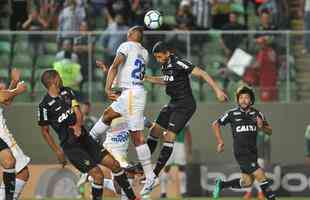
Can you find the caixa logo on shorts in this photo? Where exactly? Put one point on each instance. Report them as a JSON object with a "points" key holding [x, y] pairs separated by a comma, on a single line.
{"points": [[64, 116], [120, 138]]}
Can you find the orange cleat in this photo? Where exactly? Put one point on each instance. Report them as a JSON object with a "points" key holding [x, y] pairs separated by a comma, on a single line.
{"points": [[247, 196], [260, 196]]}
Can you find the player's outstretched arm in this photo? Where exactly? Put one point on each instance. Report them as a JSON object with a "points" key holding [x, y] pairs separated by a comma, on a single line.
{"points": [[201, 74], [7, 96], [155, 79], [264, 125], [218, 135], [119, 59], [52, 144]]}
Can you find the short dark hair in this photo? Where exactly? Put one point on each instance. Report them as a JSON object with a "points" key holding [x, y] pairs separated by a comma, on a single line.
{"points": [[47, 76], [160, 47]]}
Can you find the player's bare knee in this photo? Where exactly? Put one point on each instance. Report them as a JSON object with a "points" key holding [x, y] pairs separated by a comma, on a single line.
{"points": [[97, 174], [24, 174], [116, 167], [137, 138], [169, 136], [8, 162], [246, 181]]}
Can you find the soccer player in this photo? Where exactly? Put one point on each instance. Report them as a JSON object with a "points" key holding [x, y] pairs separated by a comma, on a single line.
{"points": [[173, 117], [60, 110], [182, 148], [127, 71], [245, 121], [14, 161]]}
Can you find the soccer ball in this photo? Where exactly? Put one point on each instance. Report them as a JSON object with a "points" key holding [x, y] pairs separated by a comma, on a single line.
{"points": [[153, 19]]}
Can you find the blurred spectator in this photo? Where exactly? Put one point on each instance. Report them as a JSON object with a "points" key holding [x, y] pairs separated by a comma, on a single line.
{"points": [[231, 41], [266, 63], [88, 120], [220, 13], [278, 10], [67, 49], [307, 145], [70, 73], [185, 22], [35, 22], [111, 40], [305, 13], [4, 12], [84, 48], [140, 8], [265, 22], [202, 13], [70, 19], [19, 11], [48, 10]]}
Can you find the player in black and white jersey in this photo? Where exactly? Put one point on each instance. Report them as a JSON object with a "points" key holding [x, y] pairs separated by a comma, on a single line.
{"points": [[60, 110], [174, 116], [245, 121]]}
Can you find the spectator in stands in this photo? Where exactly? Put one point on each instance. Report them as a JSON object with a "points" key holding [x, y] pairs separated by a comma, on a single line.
{"points": [[35, 22], [266, 64], [230, 41], [112, 40], [185, 22], [70, 19], [67, 49], [48, 10], [140, 8], [307, 145], [84, 48], [220, 13], [305, 13], [19, 10], [202, 12], [88, 120], [265, 22], [4, 12], [70, 73]]}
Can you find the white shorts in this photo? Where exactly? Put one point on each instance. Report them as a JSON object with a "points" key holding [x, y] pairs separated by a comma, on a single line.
{"points": [[131, 106], [178, 156], [120, 155], [21, 159]]}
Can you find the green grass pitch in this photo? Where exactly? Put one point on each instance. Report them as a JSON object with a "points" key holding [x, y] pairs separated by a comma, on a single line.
{"points": [[224, 198]]}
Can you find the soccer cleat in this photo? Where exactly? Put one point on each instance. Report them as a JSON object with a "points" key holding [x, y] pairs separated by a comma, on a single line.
{"points": [[150, 184], [217, 189], [82, 180]]}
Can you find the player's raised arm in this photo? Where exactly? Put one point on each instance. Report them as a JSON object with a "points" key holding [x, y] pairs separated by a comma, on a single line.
{"points": [[201, 74], [6, 96], [119, 60], [218, 135], [155, 79], [52, 144]]}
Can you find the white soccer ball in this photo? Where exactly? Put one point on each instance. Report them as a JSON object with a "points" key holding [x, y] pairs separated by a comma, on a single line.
{"points": [[153, 19]]}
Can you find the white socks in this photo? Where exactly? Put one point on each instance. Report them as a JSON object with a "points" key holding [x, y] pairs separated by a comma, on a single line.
{"points": [[183, 182], [163, 180], [19, 186], [108, 183], [144, 156], [99, 129]]}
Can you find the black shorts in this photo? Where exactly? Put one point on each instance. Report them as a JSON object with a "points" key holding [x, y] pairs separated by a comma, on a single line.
{"points": [[176, 114], [3, 145], [248, 167], [85, 153]]}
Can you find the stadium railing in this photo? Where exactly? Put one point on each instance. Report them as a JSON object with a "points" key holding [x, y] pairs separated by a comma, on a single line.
{"points": [[21, 49]]}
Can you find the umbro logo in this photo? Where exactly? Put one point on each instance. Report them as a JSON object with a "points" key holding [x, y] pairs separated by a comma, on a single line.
{"points": [[171, 124], [238, 120]]}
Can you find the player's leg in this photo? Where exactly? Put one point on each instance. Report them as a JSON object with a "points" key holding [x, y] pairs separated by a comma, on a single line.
{"points": [[8, 163], [264, 183], [163, 181], [118, 174], [22, 178], [245, 181], [86, 164], [158, 128]]}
